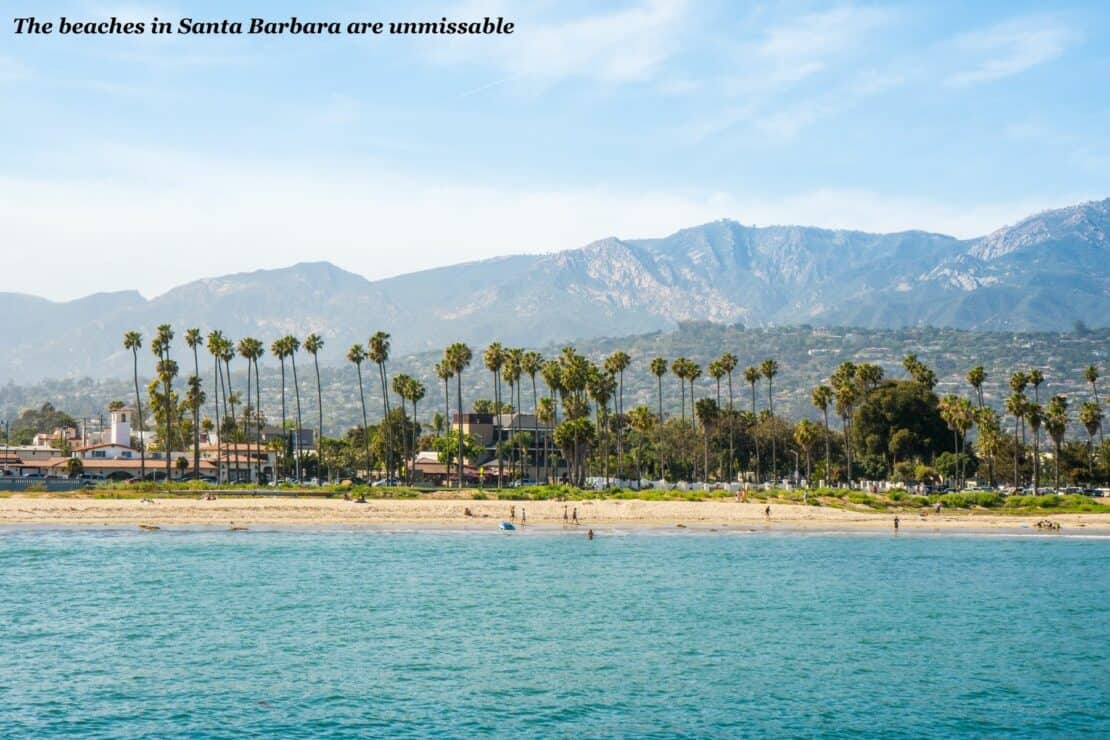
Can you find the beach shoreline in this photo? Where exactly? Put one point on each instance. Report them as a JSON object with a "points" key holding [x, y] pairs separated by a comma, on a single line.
{"points": [[485, 515]]}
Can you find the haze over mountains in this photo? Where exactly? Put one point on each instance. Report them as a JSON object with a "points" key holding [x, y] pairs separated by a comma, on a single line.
{"points": [[1043, 273]]}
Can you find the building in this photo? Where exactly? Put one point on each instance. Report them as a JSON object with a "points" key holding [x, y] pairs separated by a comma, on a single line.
{"points": [[494, 431]]}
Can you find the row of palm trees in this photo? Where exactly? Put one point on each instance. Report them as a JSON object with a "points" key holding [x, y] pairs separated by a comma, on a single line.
{"points": [[573, 383]]}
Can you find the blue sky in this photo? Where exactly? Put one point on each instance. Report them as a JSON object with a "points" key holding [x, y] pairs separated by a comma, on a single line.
{"points": [[144, 162]]}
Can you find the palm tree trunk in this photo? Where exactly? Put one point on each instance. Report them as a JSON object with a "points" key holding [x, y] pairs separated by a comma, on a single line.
{"points": [[731, 424], [246, 427], [139, 406], [774, 441], [385, 422], [447, 416], [497, 427], [217, 382], [284, 431], [458, 402], [365, 423], [828, 457], [196, 420], [535, 424], [297, 396], [320, 408], [258, 420]]}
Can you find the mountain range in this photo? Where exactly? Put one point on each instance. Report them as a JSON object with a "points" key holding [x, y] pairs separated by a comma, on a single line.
{"points": [[1044, 273]]}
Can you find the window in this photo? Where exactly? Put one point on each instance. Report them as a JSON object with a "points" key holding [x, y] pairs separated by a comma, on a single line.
{"points": [[99, 453]]}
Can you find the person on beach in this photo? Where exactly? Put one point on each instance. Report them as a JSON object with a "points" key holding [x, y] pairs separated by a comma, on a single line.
{"points": [[574, 516], [590, 535], [566, 516], [767, 511], [523, 516], [895, 523], [512, 513], [937, 507]]}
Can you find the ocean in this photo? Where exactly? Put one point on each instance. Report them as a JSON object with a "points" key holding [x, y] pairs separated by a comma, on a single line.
{"points": [[340, 632]]}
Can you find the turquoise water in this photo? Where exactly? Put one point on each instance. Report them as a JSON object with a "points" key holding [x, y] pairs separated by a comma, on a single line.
{"points": [[286, 634]]}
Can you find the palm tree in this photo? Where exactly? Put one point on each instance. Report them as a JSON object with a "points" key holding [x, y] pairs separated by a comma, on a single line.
{"points": [[678, 369], [752, 375], [846, 390], [545, 413], [494, 359], [728, 363], [279, 348], [133, 341], [956, 413], [417, 391], [659, 369], [1056, 422], [601, 386], [215, 348], [227, 354], [1018, 383], [1015, 407], [975, 377], [510, 373], [458, 357], [531, 363], [161, 347], [192, 339], [245, 347], [313, 343], [769, 369], [1034, 415], [1090, 415], [258, 350], [292, 345], [552, 373], [357, 355], [616, 364], [1092, 375], [445, 372], [194, 399], [822, 398], [378, 352], [805, 434], [641, 420]]}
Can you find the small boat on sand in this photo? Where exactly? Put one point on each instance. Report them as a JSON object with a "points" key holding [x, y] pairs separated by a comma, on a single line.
{"points": [[507, 526]]}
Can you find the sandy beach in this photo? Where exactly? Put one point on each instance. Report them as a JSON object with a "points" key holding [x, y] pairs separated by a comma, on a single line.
{"points": [[484, 515]]}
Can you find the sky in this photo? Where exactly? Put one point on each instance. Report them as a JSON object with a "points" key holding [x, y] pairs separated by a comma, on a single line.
{"points": [[145, 162]]}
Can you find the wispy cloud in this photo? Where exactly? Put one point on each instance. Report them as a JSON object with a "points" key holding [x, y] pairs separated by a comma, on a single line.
{"points": [[631, 44], [1011, 47]]}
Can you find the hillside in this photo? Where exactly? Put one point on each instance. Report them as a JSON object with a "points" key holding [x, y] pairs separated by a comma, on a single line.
{"points": [[1041, 274]]}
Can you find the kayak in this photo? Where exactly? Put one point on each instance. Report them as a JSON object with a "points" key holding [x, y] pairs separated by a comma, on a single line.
{"points": [[507, 526]]}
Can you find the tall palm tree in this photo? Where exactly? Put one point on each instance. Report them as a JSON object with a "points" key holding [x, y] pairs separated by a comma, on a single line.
{"points": [[847, 393], [753, 376], [293, 345], [417, 391], [279, 348], [1015, 407], [193, 339], [822, 398], [258, 350], [215, 348], [378, 352], [194, 399], [133, 341], [659, 369], [552, 373], [357, 355], [1056, 422], [313, 343], [1091, 374], [245, 348], [616, 364], [1090, 416], [444, 371], [510, 373], [975, 378], [1034, 415], [227, 354], [161, 347], [494, 359], [531, 363], [769, 369], [458, 357], [679, 368], [728, 363]]}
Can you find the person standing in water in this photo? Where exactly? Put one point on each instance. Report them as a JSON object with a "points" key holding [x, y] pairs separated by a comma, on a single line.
{"points": [[566, 516], [523, 516], [590, 534], [896, 523]]}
